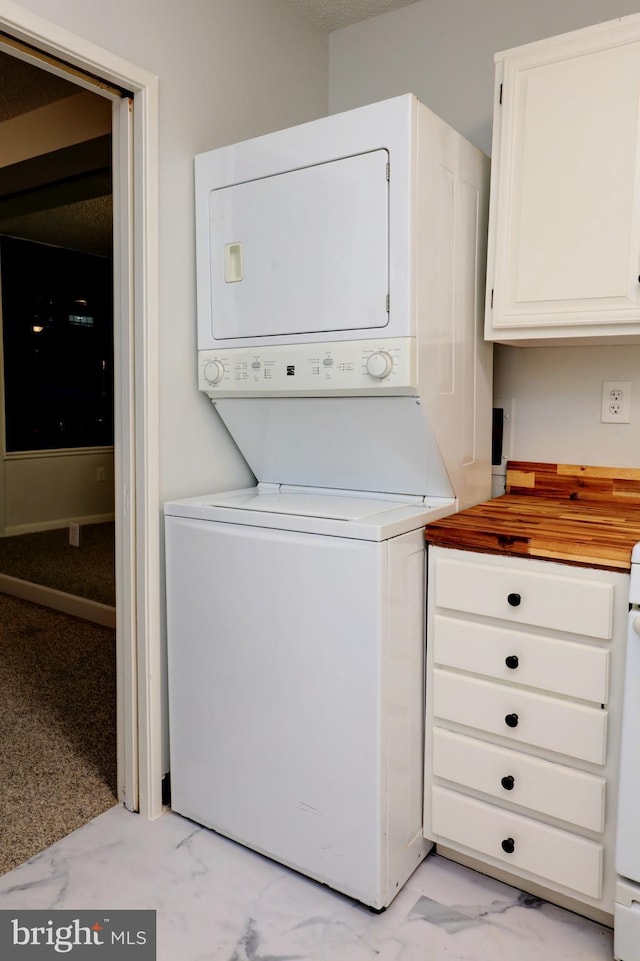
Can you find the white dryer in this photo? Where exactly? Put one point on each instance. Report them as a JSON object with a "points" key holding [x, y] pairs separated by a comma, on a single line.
{"points": [[344, 258]]}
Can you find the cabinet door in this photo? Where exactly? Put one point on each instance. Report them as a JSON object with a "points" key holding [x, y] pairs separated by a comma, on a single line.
{"points": [[566, 209]]}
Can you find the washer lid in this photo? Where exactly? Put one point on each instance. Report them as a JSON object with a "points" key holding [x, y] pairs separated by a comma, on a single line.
{"points": [[336, 514], [347, 507]]}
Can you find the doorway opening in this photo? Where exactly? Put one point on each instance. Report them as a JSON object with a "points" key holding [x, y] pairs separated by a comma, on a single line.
{"points": [[58, 730], [135, 288]]}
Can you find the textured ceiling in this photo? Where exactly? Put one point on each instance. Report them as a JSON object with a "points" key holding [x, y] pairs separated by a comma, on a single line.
{"points": [[333, 14], [24, 88], [84, 225]]}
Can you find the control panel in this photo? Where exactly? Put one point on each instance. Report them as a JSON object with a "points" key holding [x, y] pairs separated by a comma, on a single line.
{"points": [[384, 366]]}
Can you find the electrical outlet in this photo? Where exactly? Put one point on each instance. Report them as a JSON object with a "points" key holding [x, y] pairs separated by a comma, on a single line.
{"points": [[616, 402], [100, 473], [74, 534]]}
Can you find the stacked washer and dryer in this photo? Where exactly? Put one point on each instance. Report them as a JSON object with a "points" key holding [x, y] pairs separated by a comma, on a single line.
{"points": [[340, 291]]}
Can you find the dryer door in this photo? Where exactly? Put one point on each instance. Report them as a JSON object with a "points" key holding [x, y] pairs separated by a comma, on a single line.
{"points": [[301, 252]]}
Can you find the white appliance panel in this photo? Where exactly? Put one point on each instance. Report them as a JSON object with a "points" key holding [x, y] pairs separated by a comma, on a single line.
{"points": [[627, 909], [337, 442], [348, 367], [285, 709], [301, 252], [626, 931], [628, 847]]}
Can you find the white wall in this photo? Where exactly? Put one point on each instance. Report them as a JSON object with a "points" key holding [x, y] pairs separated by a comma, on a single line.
{"points": [[442, 50], [557, 393], [228, 70], [42, 492]]}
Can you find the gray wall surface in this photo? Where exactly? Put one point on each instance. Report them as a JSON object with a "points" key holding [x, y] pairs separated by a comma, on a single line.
{"points": [[442, 51]]}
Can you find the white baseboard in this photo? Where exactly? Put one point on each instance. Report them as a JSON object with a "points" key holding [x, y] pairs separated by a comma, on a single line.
{"points": [[59, 601], [56, 524]]}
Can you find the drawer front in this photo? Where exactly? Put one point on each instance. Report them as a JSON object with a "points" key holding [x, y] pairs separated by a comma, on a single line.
{"points": [[562, 667], [545, 851], [576, 730], [526, 596], [551, 789]]}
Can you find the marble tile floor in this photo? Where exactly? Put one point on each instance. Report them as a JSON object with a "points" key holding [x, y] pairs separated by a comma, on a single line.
{"points": [[217, 900]]}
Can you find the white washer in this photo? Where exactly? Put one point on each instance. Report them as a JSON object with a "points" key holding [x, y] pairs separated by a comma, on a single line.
{"points": [[296, 666], [627, 909]]}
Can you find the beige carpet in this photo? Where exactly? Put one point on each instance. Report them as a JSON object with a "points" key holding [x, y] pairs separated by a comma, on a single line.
{"points": [[57, 726], [47, 558]]}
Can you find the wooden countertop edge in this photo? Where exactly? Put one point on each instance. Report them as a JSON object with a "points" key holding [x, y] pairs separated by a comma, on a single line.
{"points": [[554, 529], [606, 563]]}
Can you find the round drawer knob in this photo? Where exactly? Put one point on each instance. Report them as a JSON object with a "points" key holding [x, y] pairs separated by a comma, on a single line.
{"points": [[512, 661], [508, 845], [513, 600], [508, 782], [511, 720]]}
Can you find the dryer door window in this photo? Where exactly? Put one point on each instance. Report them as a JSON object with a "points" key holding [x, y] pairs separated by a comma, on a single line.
{"points": [[306, 251]]}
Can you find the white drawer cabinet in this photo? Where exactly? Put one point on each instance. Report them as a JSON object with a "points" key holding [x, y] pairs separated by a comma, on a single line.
{"points": [[564, 793], [524, 596], [520, 842], [533, 660], [523, 721], [564, 222], [553, 723]]}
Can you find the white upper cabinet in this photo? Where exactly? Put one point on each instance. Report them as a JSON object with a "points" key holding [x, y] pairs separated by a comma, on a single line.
{"points": [[564, 227]]}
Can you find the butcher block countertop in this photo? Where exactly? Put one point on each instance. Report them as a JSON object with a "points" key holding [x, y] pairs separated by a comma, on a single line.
{"points": [[588, 516]]}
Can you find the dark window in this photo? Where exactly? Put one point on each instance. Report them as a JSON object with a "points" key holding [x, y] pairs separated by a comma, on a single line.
{"points": [[57, 320]]}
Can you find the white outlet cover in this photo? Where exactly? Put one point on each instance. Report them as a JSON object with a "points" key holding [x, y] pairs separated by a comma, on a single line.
{"points": [[616, 402]]}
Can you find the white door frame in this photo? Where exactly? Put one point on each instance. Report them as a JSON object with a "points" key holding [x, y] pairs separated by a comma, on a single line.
{"points": [[136, 441]]}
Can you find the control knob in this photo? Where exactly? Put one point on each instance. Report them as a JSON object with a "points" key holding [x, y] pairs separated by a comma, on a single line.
{"points": [[213, 371], [636, 624], [379, 364]]}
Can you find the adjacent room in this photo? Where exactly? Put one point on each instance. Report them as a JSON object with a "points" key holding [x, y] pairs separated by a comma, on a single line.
{"points": [[57, 532]]}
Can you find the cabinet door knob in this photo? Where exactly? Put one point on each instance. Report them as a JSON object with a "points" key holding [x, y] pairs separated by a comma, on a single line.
{"points": [[513, 600], [508, 845], [511, 720], [512, 661], [508, 782]]}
